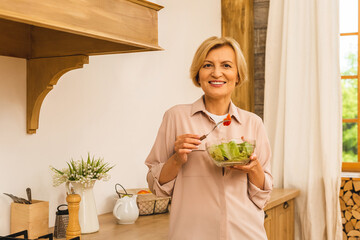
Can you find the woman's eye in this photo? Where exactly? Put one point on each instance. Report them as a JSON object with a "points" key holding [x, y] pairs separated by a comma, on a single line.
{"points": [[227, 65], [207, 65]]}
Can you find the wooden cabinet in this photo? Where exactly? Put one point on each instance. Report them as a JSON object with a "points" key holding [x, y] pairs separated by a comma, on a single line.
{"points": [[284, 215], [279, 215], [270, 223]]}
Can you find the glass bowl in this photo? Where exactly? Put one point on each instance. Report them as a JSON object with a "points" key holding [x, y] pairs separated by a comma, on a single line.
{"points": [[230, 152]]}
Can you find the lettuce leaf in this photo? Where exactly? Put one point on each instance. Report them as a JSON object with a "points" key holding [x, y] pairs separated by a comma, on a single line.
{"points": [[246, 148], [216, 153], [231, 151]]}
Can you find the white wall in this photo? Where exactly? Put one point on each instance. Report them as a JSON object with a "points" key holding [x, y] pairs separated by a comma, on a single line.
{"points": [[112, 108]]}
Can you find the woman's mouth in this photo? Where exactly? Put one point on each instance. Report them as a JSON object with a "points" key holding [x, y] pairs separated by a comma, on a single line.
{"points": [[217, 83]]}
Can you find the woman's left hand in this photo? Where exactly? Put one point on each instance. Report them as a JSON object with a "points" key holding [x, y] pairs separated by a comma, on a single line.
{"points": [[254, 170], [253, 165]]}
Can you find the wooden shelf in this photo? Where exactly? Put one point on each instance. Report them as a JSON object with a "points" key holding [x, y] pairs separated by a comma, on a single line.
{"points": [[55, 29]]}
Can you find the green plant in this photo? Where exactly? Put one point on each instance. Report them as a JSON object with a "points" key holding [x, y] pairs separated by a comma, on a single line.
{"points": [[83, 171]]}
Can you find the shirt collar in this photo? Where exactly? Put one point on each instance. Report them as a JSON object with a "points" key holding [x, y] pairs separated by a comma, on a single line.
{"points": [[199, 106]]}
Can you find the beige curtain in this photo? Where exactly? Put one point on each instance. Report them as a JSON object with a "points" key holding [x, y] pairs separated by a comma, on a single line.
{"points": [[302, 111]]}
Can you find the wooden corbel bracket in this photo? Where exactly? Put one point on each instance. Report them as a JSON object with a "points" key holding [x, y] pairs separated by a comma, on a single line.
{"points": [[42, 75]]}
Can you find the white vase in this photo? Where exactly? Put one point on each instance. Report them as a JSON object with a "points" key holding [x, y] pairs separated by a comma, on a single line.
{"points": [[88, 217]]}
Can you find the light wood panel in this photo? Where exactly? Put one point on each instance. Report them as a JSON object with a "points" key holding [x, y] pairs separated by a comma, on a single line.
{"points": [[237, 22], [350, 166], [279, 219], [52, 43], [147, 4], [270, 223], [42, 75], [284, 215], [32, 217], [118, 21], [14, 39], [83, 27], [154, 227]]}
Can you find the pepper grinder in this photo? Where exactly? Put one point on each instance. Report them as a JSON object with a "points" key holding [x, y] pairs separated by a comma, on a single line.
{"points": [[73, 230]]}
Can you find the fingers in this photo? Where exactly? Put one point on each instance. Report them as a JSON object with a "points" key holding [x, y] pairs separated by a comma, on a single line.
{"points": [[191, 141], [188, 139], [184, 151], [249, 166], [189, 136], [187, 142], [246, 168], [184, 145], [253, 157]]}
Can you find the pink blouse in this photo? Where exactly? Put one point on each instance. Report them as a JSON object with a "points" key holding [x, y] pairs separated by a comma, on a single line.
{"points": [[207, 204]]}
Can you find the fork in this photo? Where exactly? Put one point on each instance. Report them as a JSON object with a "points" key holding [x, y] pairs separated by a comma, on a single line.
{"points": [[205, 135]]}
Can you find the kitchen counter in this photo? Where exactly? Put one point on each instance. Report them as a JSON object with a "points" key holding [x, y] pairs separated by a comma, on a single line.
{"points": [[155, 227]]}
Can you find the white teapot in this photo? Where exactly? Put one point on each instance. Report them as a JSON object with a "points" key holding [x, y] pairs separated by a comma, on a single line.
{"points": [[126, 210]]}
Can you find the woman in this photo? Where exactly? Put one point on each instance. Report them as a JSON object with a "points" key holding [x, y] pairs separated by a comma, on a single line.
{"points": [[209, 202]]}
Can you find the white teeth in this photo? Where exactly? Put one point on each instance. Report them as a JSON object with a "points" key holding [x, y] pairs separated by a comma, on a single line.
{"points": [[217, 83]]}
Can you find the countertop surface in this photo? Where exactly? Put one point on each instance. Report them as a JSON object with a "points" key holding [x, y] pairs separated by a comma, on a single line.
{"points": [[280, 195], [155, 227]]}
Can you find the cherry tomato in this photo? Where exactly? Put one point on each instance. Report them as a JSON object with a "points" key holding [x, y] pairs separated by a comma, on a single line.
{"points": [[227, 120]]}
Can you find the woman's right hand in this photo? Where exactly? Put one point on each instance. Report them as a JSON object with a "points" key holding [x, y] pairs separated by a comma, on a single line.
{"points": [[184, 145]]}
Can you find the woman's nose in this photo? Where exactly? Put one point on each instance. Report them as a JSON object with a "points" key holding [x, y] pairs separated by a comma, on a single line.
{"points": [[217, 72]]}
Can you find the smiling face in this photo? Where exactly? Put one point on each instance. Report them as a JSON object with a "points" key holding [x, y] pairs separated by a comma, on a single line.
{"points": [[219, 74]]}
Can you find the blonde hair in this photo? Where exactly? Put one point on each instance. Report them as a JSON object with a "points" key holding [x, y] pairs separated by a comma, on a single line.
{"points": [[213, 43]]}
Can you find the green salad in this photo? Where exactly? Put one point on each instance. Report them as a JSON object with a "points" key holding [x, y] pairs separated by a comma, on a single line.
{"points": [[231, 151]]}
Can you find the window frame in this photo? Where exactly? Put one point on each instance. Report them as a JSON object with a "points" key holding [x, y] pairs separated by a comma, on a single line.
{"points": [[354, 166]]}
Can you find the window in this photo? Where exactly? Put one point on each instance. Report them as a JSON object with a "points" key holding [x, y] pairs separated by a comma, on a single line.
{"points": [[349, 68]]}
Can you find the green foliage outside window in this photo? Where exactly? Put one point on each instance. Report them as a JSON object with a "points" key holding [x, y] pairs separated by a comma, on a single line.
{"points": [[349, 111]]}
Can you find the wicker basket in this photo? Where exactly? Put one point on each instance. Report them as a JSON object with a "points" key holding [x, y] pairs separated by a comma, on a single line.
{"points": [[149, 203]]}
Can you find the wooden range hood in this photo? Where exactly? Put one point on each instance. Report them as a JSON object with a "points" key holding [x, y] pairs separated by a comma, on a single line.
{"points": [[58, 36]]}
